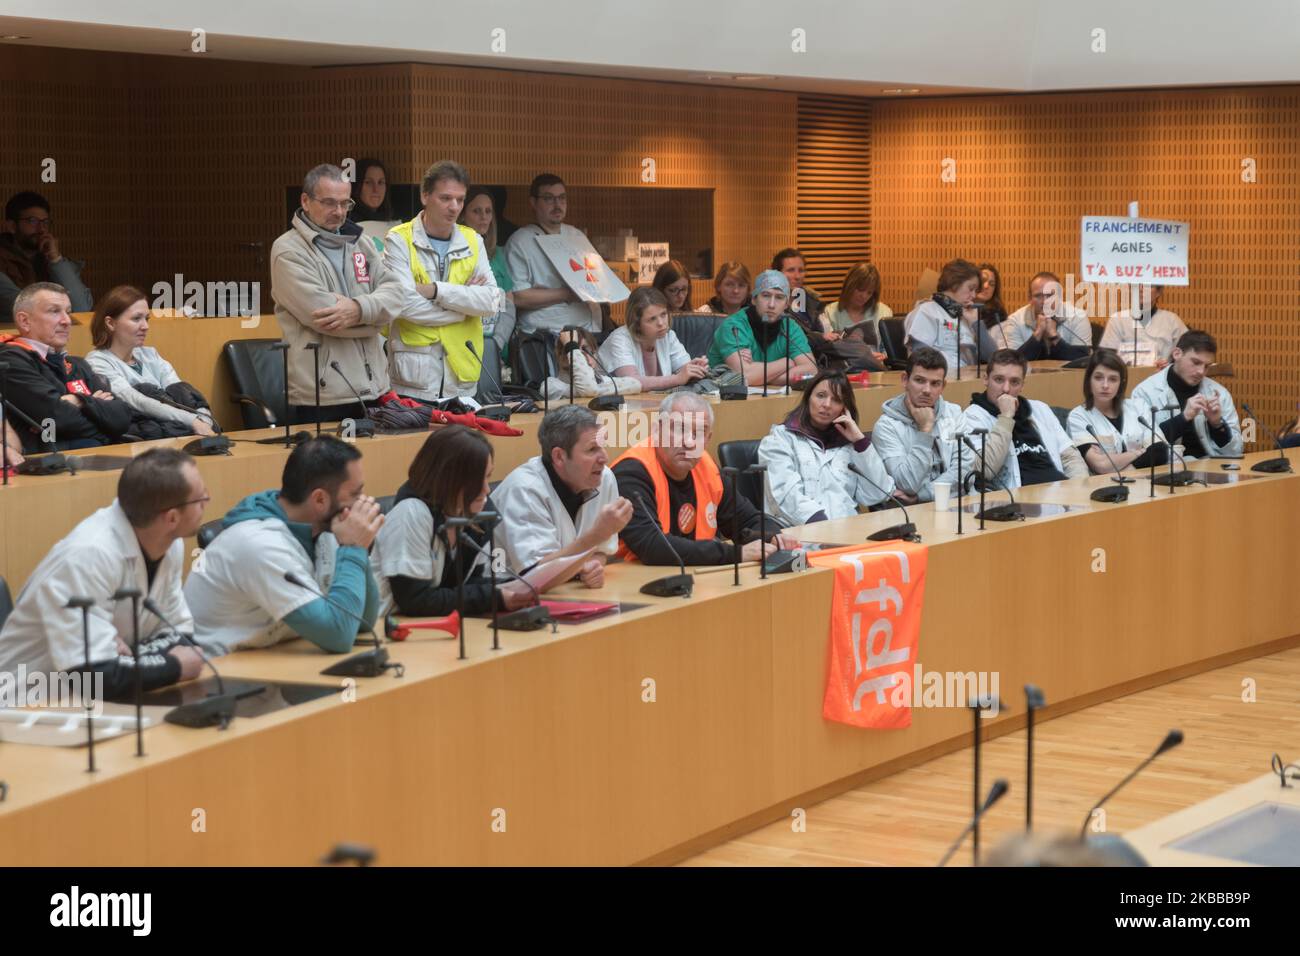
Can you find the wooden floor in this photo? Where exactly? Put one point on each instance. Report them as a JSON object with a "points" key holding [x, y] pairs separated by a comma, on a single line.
{"points": [[909, 819]]}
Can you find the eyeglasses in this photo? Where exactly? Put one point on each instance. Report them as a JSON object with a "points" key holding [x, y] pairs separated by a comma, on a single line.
{"points": [[35, 221], [184, 504], [345, 205], [548, 197]]}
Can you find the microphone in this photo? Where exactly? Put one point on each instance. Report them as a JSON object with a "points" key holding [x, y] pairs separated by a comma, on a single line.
{"points": [[1173, 479], [996, 793], [216, 710], [134, 594], [283, 348], [603, 403], [737, 391], [85, 604], [314, 347], [366, 664], [526, 618], [897, 532], [674, 585], [1270, 466], [495, 395], [570, 347], [364, 427], [1111, 494], [1172, 740], [1008, 512], [1034, 700]]}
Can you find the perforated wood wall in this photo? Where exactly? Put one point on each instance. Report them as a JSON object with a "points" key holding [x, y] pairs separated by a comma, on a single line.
{"points": [[834, 188], [178, 164], [1028, 167]]}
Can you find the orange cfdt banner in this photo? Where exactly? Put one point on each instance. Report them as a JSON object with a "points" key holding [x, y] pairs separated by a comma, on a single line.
{"points": [[875, 630]]}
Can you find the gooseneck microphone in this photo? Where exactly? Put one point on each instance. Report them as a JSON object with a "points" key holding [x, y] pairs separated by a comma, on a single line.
{"points": [[571, 346], [1034, 701], [134, 594], [1007, 512], [605, 403], [1111, 494], [736, 391], [85, 604], [1172, 740], [905, 531], [530, 618], [314, 347], [370, 663], [996, 793], [674, 585], [1270, 466], [362, 427], [288, 440]]}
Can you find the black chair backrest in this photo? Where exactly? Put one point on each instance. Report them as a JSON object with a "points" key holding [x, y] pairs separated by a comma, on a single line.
{"points": [[208, 532], [6, 601], [695, 330], [258, 373], [892, 339], [532, 358], [1062, 415], [385, 503], [1098, 330], [489, 379], [741, 454]]}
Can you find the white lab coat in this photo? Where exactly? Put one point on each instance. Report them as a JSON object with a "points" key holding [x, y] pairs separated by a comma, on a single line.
{"points": [[99, 556], [1132, 438], [928, 324], [535, 523], [1018, 328], [804, 477], [1157, 334], [621, 350], [1155, 391]]}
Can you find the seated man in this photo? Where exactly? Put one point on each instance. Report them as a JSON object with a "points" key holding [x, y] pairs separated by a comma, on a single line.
{"points": [[137, 541], [564, 501], [763, 330], [1207, 426], [680, 484], [331, 289], [319, 525], [436, 349], [1149, 340], [1026, 444], [29, 253], [914, 434], [1046, 328], [65, 403]]}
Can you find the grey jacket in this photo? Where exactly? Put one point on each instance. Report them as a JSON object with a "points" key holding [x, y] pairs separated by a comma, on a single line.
{"points": [[303, 279], [913, 458]]}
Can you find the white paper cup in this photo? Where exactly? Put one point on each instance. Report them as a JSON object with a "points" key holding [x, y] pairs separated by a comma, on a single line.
{"points": [[942, 495]]}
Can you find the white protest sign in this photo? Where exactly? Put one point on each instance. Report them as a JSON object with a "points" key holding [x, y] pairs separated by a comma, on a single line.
{"points": [[1132, 251], [651, 255], [582, 268]]}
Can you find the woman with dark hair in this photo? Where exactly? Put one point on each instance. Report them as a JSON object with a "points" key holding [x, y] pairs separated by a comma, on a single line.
{"points": [[645, 347], [373, 211], [731, 286], [118, 331], [988, 298], [946, 321], [808, 457], [1104, 383], [859, 303], [674, 282], [480, 214], [416, 569]]}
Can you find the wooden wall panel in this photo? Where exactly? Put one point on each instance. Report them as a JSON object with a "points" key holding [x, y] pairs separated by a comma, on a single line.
{"points": [[1028, 167], [834, 189]]}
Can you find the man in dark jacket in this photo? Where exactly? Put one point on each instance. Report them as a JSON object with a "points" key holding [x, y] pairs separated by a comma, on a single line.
{"points": [[67, 405], [29, 253]]}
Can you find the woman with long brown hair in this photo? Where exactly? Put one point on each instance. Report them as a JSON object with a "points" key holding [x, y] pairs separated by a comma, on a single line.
{"points": [[731, 287], [859, 304]]}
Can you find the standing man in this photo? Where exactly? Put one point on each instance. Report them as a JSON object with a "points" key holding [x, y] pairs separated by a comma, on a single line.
{"points": [[29, 253], [137, 541], [331, 288], [1207, 422], [1045, 328], [914, 436], [436, 349], [543, 299]]}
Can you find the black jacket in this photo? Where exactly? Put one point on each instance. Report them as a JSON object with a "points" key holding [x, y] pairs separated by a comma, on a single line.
{"points": [[33, 386]]}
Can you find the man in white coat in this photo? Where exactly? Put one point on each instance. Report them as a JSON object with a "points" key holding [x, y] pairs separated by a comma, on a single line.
{"points": [[1191, 407], [1150, 339], [1026, 444], [136, 542], [914, 436], [436, 347], [564, 501], [1045, 328]]}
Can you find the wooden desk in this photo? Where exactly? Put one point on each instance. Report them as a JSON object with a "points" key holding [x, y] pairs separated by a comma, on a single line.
{"points": [[554, 730]]}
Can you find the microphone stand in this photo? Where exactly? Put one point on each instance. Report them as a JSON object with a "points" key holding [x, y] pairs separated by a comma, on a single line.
{"points": [[764, 370], [734, 475], [4, 422], [85, 604], [996, 793], [134, 595], [315, 362], [445, 533], [488, 520], [1034, 699], [1152, 423], [761, 472], [984, 470], [977, 706], [958, 437], [287, 440], [785, 323]]}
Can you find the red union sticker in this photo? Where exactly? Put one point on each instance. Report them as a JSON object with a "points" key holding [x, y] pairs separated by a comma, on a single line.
{"points": [[360, 268], [78, 386]]}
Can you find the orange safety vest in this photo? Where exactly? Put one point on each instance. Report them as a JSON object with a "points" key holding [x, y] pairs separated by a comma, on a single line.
{"points": [[708, 489]]}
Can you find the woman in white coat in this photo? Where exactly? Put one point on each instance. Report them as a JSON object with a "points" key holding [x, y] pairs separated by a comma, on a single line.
{"points": [[947, 321], [645, 347], [118, 331], [1120, 434], [808, 457]]}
